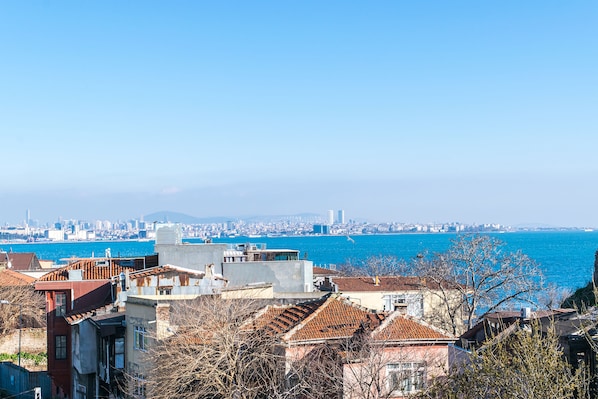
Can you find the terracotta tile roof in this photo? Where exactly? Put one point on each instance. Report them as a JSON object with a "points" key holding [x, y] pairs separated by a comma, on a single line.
{"points": [[158, 270], [10, 278], [281, 319], [385, 283], [400, 327], [19, 260], [336, 318], [329, 317], [91, 270], [75, 317], [322, 271]]}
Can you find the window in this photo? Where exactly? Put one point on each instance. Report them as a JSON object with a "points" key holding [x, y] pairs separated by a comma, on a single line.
{"points": [[60, 303], [140, 338], [406, 377], [411, 303], [139, 385], [119, 353], [60, 347], [164, 290]]}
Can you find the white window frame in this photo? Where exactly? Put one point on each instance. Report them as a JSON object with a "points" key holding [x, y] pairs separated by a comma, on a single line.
{"points": [[413, 303], [140, 338], [406, 377]]}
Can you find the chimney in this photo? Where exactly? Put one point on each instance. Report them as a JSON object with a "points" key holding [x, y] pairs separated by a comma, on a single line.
{"points": [[377, 281], [401, 308]]}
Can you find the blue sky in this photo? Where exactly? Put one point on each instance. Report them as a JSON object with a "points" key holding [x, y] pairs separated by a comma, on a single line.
{"points": [[476, 112]]}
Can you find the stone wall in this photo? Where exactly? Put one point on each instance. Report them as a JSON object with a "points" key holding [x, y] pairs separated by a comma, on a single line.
{"points": [[33, 340]]}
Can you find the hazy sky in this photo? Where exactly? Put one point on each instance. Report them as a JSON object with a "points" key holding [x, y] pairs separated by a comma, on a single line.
{"points": [[412, 111]]}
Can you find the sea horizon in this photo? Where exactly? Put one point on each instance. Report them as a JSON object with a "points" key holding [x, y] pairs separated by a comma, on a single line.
{"points": [[566, 258]]}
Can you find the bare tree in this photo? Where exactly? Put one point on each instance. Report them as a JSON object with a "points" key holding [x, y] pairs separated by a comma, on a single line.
{"points": [[529, 363], [24, 302], [212, 354], [318, 374], [553, 296], [483, 275], [381, 265], [366, 367]]}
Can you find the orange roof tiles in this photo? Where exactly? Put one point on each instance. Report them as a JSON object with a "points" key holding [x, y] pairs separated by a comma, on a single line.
{"points": [[158, 270], [75, 317], [20, 260], [91, 271], [322, 271], [10, 278], [385, 283], [400, 327], [281, 319], [336, 318], [326, 318], [333, 317]]}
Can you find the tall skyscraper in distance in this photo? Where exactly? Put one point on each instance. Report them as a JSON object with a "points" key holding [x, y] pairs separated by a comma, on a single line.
{"points": [[341, 217], [27, 217], [330, 217]]}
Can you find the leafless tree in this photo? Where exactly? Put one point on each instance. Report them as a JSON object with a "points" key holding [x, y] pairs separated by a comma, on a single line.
{"points": [[381, 265], [212, 354], [25, 302], [485, 276], [364, 367], [553, 296], [318, 374], [528, 363]]}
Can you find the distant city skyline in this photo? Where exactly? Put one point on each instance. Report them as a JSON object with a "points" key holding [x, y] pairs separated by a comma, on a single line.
{"points": [[473, 112]]}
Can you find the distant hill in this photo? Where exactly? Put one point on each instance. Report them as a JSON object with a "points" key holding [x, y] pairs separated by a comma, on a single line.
{"points": [[177, 217]]}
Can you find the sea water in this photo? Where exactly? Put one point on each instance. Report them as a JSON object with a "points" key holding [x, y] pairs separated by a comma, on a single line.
{"points": [[565, 257]]}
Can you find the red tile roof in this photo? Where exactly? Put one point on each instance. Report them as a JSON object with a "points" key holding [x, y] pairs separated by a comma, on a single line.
{"points": [[322, 271], [91, 270], [20, 260], [385, 283], [281, 319], [400, 327], [158, 270], [336, 318], [10, 278], [326, 318], [75, 317]]}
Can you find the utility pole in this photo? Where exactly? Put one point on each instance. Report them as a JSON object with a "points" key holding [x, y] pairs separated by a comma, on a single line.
{"points": [[5, 302]]}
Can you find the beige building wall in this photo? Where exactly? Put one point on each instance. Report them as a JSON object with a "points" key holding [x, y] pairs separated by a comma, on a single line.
{"points": [[255, 292], [370, 300], [152, 316]]}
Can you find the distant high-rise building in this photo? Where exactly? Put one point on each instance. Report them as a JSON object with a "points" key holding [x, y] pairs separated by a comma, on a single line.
{"points": [[27, 217], [321, 229], [330, 217], [341, 217]]}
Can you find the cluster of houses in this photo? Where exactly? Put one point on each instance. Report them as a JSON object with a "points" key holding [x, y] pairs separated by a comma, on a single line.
{"points": [[101, 313]]}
